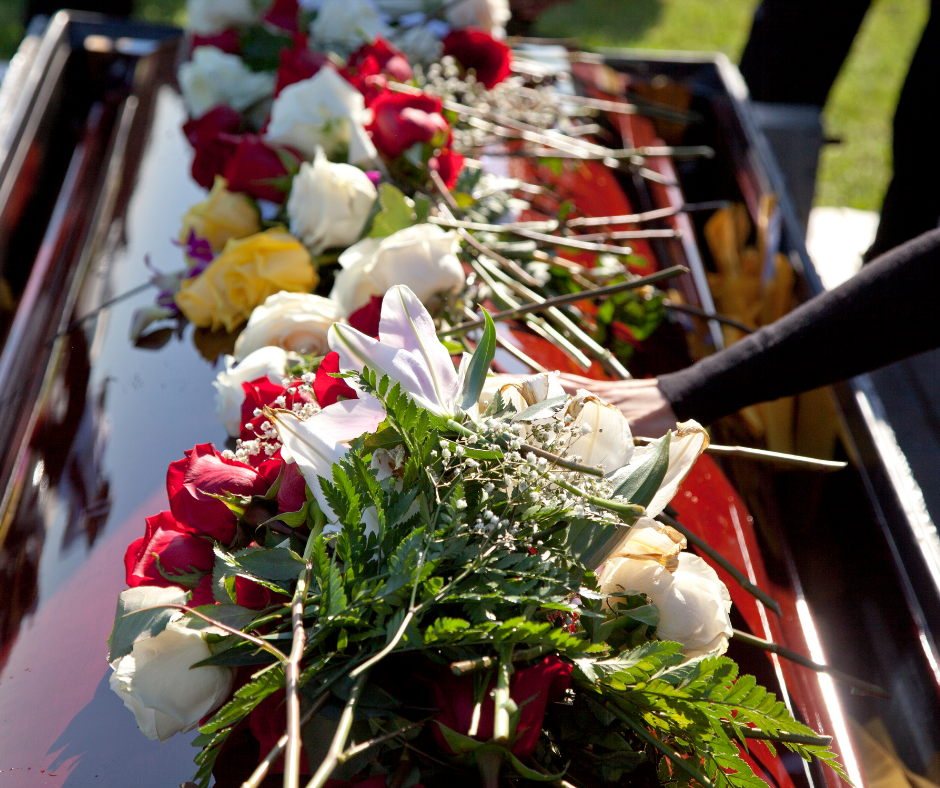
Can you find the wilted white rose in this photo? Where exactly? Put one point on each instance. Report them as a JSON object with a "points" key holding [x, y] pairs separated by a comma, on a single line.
{"points": [[491, 15], [229, 394], [520, 392], [326, 111], [346, 24], [420, 44], [650, 540], [156, 681], [601, 434], [214, 77], [294, 321], [329, 204], [421, 257], [694, 605], [206, 17]]}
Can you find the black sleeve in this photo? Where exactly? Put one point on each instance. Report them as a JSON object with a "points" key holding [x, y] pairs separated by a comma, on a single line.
{"points": [[889, 311]]}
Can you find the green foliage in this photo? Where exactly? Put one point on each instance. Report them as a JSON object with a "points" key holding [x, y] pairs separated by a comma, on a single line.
{"points": [[397, 212]]}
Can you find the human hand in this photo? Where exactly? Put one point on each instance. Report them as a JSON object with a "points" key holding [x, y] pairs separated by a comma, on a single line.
{"points": [[641, 402]]}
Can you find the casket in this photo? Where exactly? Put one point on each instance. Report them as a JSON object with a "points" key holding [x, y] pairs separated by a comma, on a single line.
{"points": [[94, 174]]}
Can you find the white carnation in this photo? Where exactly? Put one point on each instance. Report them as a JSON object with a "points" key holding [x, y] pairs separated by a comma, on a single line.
{"points": [[229, 394], [422, 257], [297, 322], [346, 24], [214, 77], [206, 17], [326, 111], [329, 204]]}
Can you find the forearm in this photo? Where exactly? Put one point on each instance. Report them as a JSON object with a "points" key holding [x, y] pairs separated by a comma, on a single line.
{"points": [[887, 312]]}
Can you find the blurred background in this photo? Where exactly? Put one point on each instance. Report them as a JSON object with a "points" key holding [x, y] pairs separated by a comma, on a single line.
{"points": [[853, 172]]}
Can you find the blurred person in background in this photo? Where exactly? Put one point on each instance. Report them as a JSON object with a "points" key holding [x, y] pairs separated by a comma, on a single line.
{"points": [[793, 56]]}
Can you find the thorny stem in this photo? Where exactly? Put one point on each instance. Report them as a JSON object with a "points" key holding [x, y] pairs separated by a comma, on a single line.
{"points": [[467, 666], [331, 761], [292, 672], [739, 577], [583, 295]]}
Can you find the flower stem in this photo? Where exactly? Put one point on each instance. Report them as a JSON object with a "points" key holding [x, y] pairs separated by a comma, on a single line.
{"points": [[467, 666], [292, 672], [501, 698], [739, 576], [628, 512]]}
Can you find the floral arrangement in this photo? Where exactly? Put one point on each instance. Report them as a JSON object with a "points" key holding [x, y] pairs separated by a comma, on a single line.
{"points": [[406, 570]]}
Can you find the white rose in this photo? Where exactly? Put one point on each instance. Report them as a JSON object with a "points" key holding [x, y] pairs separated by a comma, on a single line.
{"points": [[214, 77], [694, 605], [156, 680], [329, 204], [346, 24], [293, 321], [206, 17], [229, 394], [491, 15], [521, 393], [419, 44], [601, 434], [421, 257], [323, 110]]}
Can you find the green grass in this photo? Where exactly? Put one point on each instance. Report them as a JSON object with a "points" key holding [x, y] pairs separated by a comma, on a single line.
{"points": [[862, 102], [860, 107]]}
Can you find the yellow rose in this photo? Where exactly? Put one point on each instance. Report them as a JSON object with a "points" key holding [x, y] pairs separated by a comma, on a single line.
{"points": [[243, 276], [223, 215]]}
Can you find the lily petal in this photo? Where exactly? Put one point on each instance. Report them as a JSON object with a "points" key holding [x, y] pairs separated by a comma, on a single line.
{"points": [[408, 351], [688, 442]]}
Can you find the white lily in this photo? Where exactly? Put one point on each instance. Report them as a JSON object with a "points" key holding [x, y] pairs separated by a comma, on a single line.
{"points": [[407, 351], [317, 443]]}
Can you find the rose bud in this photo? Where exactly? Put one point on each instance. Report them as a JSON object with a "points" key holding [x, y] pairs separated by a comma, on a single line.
{"points": [[298, 63], [261, 170], [366, 318], [167, 544], [204, 472], [389, 58], [214, 140], [476, 49], [402, 119], [255, 596], [531, 688], [292, 494], [327, 388], [202, 593]]}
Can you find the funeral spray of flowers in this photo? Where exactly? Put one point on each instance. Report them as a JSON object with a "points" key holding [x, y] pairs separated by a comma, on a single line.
{"points": [[440, 579], [409, 571]]}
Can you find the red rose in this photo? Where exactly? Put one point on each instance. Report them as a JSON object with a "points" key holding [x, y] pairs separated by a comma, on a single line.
{"points": [[202, 593], [327, 388], [367, 78], [292, 494], [531, 688], [366, 318], [261, 170], [475, 48], [180, 553], [213, 137], [298, 63], [253, 595], [203, 471], [267, 723], [402, 119], [389, 59], [283, 14], [227, 41], [448, 165]]}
